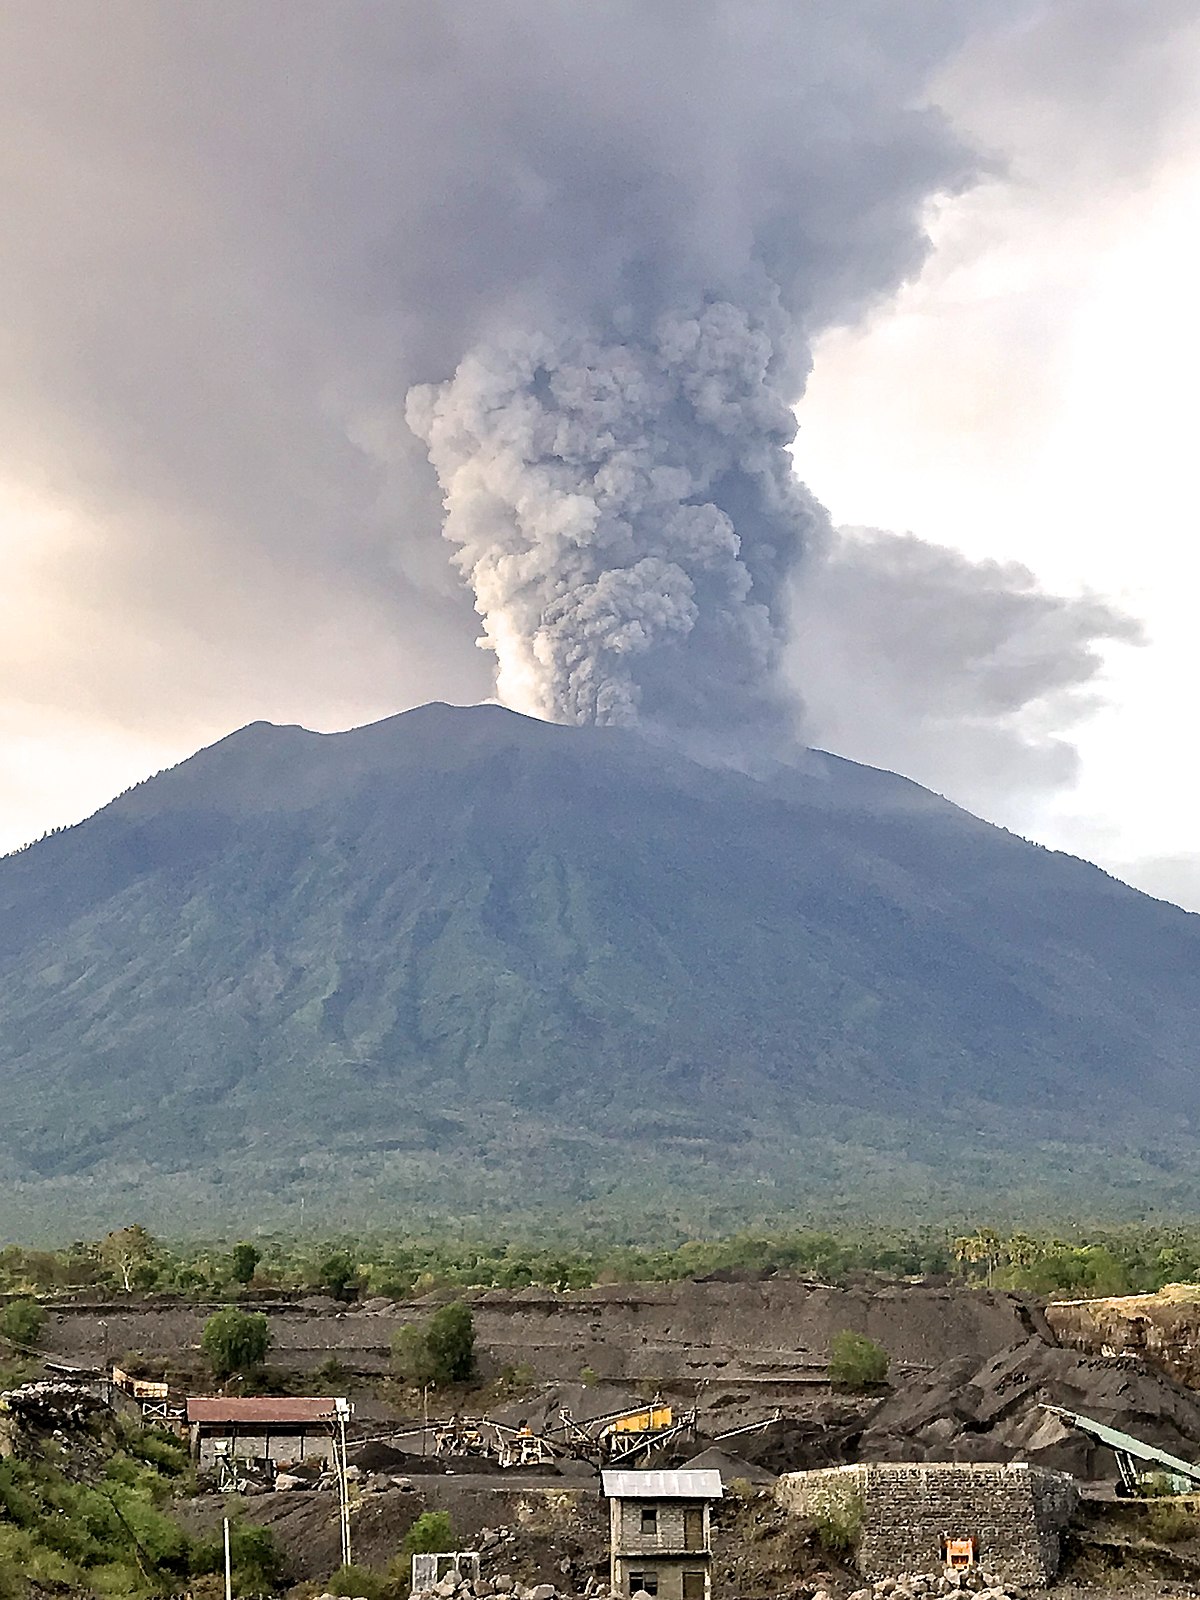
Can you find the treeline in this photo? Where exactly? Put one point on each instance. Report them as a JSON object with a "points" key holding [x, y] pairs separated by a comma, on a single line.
{"points": [[1091, 1262]]}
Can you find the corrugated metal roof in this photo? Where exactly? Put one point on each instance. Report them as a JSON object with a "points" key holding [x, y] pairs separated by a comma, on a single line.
{"points": [[662, 1485], [279, 1411]]}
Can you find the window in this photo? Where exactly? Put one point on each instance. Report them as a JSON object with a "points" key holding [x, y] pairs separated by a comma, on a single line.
{"points": [[693, 1586], [647, 1581], [649, 1519], [693, 1528]]}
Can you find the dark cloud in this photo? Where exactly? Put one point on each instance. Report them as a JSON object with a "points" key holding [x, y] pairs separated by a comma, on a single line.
{"points": [[238, 235]]}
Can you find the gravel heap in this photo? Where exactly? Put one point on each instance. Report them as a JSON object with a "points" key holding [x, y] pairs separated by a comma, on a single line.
{"points": [[916, 1585]]}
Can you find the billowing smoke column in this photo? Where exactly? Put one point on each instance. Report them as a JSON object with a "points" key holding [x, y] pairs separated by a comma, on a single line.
{"points": [[626, 512], [693, 193]]}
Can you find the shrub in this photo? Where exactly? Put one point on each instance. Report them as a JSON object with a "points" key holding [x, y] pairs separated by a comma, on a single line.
{"points": [[1170, 1524], [588, 1376], [355, 1580], [856, 1362], [443, 1352], [235, 1341], [838, 1527], [338, 1275], [22, 1321], [411, 1358], [431, 1532]]}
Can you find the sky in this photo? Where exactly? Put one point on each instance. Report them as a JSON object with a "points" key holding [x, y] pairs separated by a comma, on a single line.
{"points": [[235, 244]]}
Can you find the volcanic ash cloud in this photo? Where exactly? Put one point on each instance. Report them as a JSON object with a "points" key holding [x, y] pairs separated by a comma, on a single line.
{"points": [[626, 513]]}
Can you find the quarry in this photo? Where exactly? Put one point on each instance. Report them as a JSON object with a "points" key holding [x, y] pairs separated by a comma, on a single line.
{"points": [[963, 1470]]}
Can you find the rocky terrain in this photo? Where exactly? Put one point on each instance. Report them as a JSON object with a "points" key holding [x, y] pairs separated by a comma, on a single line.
{"points": [[969, 1373]]}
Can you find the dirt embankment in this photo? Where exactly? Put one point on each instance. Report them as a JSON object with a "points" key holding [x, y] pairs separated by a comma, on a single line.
{"points": [[1162, 1328], [768, 1341]]}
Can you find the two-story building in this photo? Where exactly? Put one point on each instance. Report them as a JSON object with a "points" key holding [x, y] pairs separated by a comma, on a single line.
{"points": [[661, 1534]]}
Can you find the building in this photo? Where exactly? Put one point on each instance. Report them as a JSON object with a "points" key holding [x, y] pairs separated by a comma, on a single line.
{"points": [[906, 1515], [661, 1532], [261, 1428]]}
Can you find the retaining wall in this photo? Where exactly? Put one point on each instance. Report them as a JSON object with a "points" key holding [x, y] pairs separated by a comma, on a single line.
{"points": [[1016, 1512]]}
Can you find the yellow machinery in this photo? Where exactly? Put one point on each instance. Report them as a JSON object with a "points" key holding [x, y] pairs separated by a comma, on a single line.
{"points": [[626, 1433], [621, 1434]]}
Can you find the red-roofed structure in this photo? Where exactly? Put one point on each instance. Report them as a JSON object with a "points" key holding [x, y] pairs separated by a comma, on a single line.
{"points": [[261, 1428], [284, 1410]]}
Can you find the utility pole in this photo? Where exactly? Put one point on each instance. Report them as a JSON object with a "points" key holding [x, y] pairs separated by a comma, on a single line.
{"points": [[228, 1565], [342, 1407]]}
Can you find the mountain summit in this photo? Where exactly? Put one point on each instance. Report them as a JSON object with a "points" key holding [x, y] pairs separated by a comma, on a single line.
{"points": [[463, 964]]}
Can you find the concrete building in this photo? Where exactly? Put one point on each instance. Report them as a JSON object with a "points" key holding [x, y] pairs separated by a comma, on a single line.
{"points": [[260, 1428], [903, 1513], [661, 1532]]}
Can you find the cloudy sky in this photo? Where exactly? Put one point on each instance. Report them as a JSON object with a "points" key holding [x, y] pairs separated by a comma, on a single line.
{"points": [[236, 236]]}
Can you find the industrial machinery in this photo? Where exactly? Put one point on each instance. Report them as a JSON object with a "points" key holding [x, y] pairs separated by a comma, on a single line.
{"points": [[958, 1554], [1178, 1476], [521, 1447], [621, 1435], [461, 1437]]}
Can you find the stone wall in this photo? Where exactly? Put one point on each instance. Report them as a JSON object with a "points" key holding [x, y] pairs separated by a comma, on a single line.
{"points": [[1016, 1512]]}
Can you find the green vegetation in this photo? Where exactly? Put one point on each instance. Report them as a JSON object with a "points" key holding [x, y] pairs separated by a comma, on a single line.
{"points": [[1084, 1261], [442, 1352], [432, 1531], [838, 1526], [450, 1338], [21, 1322], [95, 1519], [244, 1258], [235, 1341], [856, 1363], [130, 1253]]}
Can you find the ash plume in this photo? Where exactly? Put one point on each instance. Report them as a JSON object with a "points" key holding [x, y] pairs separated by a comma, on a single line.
{"points": [[613, 454], [587, 251], [625, 513]]}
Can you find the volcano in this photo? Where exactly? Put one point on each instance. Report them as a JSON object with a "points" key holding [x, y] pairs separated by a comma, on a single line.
{"points": [[464, 966]]}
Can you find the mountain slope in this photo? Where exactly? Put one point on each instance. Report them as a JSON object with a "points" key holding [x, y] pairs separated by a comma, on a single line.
{"points": [[464, 963]]}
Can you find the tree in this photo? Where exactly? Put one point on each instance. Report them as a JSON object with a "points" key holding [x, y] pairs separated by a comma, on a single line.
{"points": [[235, 1341], [21, 1322], [443, 1352], [450, 1338], [856, 1362], [411, 1359], [339, 1275], [245, 1258], [981, 1246], [126, 1249]]}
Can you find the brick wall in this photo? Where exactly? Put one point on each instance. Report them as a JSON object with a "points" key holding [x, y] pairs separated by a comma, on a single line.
{"points": [[1016, 1512], [671, 1532]]}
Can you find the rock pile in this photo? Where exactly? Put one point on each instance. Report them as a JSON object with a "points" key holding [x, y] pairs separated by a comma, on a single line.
{"points": [[925, 1585], [962, 1411], [503, 1587]]}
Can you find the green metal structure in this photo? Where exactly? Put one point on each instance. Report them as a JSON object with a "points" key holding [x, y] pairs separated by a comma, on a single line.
{"points": [[1129, 1450]]}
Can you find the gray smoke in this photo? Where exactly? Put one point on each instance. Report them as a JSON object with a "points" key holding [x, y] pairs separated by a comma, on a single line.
{"points": [[966, 675], [613, 454], [591, 246], [626, 514]]}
